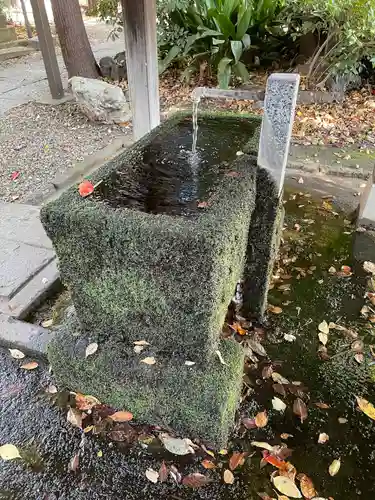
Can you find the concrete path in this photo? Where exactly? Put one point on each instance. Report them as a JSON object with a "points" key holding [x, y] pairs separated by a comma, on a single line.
{"points": [[25, 80]]}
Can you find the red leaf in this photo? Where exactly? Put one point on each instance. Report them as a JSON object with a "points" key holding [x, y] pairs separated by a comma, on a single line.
{"points": [[237, 459], [233, 174], [15, 175], [249, 423], [202, 204], [163, 472], [85, 188], [196, 480]]}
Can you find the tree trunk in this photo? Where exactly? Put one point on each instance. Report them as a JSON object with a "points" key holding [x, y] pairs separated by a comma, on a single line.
{"points": [[75, 46]]}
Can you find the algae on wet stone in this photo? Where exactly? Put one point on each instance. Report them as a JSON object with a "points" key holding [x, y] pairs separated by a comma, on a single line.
{"points": [[159, 269]]}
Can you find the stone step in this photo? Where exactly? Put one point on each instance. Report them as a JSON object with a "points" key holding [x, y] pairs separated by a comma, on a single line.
{"points": [[12, 52]]}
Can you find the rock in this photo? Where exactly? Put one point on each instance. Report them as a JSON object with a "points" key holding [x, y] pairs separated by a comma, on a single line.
{"points": [[100, 100]]}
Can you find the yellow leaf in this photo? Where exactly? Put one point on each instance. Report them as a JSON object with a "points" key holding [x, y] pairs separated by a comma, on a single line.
{"points": [[16, 354], [9, 452], [47, 323], [261, 419], [30, 366], [149, 360], [223, 452], [88, 429], [323, 327], [286, 486], [367, 408], [334, 467], [99, 454], [228, 477], [323, 337], [274, 309], [91, 349]]}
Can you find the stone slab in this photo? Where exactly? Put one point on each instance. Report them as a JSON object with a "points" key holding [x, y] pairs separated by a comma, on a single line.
{"points": [[30, 339], [367, 205], [19, 263], [277, 123], [21, 223], [13, 52]]}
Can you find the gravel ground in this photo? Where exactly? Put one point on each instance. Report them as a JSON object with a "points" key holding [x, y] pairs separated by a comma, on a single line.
{"points": [[40, 141]]}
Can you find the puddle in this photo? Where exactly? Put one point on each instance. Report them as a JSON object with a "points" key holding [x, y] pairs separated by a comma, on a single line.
{"points": [[315, 240]]}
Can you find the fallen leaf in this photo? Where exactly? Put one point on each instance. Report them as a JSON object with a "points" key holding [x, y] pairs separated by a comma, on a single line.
{"points": [[369, 267], [267, 371], [264, 445], [74, 463], [289, 337], [332, 270], [323, 327], [233, 174], [300, 180], [15, 175], [359, 357], [138, 349], [249, 423], [323, 353], [9, 452], [121, 416], [85, 402], [323, 438], [228, 477], [152, 475], [52, 389], [367, 407], [323, 338], [91, 349], [322, 406], [300, 409], [189, 363], [85, 188], [285, 435], [202, 204], [274, 309], [207, 464], [196, 480], [279, 388], [218, 353], [278, 404], [149, 360], [206, 450], [141, 342], [261, 419], [47, 323], [30, 366], [88, 429], [286, 486], [176, 446], [74, 417], [334, 467], [238, 329], [223, 452], [16, 354], [257, 347], [346, 270], [307, 486], [237, 459], [163, 472], [99, 454], [342, 420], [279, 378]]}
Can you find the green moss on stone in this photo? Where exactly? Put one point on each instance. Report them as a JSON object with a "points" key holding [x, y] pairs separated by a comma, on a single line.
{"points": [[198, 401]]}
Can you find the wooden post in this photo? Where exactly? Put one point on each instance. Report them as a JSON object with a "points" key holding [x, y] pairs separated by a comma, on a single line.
{"points": [[47, 48], [142, 63], [27, 22]]}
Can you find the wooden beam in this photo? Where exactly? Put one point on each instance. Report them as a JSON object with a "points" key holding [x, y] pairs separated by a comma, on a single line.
{"points": [[142, 63], [47, 48]]}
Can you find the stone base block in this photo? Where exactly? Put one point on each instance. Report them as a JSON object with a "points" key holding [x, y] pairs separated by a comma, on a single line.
{"points": [[197, 401], [364, 246], [8, 34]]}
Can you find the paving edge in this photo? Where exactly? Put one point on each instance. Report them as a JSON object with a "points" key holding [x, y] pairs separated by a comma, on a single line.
{"points": [[28, 338], [82, 169]]}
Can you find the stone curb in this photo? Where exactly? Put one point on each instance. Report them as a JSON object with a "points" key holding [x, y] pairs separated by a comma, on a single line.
{"points": [[314, 167], [61, 182], [28, 338]]}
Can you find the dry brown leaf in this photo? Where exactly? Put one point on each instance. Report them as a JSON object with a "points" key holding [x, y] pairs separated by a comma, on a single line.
{"points": [[74, 417], [285, 435], [322, 406], [228, 477], [121, 416], [307, 487], [300, 409], [85, 402], [261, 419], [334, 467], [196, 480], [274, 309], [74, 463], [91, 349], [207, 464], [237, 459], [30, 366]]}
